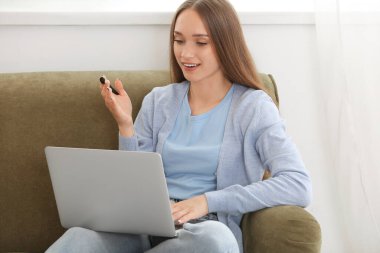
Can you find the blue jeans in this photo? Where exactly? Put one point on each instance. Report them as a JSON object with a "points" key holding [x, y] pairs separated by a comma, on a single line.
{"points": [[205, 237]]}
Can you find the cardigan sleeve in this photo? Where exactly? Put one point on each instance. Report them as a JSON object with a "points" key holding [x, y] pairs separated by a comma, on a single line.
{"points": [[142, 140], [290, 183]]}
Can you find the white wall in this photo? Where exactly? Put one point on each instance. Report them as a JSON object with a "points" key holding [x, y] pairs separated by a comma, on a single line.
{"points": [[288, 51], [54, 48], [147, 5]]}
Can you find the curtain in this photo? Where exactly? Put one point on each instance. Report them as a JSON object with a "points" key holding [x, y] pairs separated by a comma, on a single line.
{"points": [[348, 42]]}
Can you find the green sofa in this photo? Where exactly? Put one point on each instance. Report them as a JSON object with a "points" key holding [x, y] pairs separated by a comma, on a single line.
{"points": [[66, 109]]}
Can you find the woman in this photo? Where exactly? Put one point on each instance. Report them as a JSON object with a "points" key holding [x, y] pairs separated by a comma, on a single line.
{"points": [[217, 131]]}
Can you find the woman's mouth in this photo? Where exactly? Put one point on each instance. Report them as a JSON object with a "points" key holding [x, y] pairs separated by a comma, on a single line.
{"points": [[190, 66]]}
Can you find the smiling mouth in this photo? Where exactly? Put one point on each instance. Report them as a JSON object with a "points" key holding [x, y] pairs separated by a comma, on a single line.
{"points": [[190, 65]]}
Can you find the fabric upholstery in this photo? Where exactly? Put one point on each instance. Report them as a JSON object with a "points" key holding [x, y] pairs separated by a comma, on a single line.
{"points": [[281, 229], [50, 109], [59, 109]]}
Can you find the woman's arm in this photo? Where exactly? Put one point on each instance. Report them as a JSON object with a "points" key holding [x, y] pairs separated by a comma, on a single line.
{"points": [[142, 138], [290, 183]]}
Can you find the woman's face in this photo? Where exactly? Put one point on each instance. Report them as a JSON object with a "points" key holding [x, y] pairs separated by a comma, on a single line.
{"points": [[193, 48]]}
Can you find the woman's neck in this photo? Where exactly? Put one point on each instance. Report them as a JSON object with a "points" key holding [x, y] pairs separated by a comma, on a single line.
{"points": [[204, 96]]}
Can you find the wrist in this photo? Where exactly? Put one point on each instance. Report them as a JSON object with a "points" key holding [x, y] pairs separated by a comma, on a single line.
{"points": [[205, 203], [126, 131]]}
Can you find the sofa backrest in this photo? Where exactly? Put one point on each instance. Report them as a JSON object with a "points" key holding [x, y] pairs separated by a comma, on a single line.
{"points": [[54, 109]]}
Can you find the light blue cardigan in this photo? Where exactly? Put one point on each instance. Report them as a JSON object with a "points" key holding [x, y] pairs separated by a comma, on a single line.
{"points": [[254, 139]]}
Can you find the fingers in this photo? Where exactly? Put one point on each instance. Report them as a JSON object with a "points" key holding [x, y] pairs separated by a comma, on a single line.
{"points": [[182, 212], [108, 96], [189, 209], [102, 90], [106, 91], [177, 215], [119, 87], [103, 87], [186, 218]]}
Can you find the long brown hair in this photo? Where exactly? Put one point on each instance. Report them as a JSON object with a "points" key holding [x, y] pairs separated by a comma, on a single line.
{"points": [[224, 29]]}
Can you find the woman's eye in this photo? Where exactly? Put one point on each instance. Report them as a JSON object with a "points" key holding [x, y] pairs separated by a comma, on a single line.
{"points": [[178, 41], [202, 43]]}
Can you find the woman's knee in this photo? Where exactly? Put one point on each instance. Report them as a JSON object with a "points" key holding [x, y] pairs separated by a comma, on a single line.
{"points": [[78, 232], [74, 231], [214, 235], [70, 238], [78, 239]]}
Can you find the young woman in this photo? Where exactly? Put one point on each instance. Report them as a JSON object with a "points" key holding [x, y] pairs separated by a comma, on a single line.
{"points": [[217, 132]]}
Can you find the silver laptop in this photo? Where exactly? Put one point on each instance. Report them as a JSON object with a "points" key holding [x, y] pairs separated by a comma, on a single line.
{"points": [[111, 190]]}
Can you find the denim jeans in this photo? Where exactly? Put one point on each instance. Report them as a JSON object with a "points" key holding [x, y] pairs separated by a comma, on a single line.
{"points": [[204, 237], [155, 240]]}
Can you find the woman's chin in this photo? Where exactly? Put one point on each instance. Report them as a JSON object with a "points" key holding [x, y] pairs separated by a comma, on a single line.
{"points": [[191, 78]]}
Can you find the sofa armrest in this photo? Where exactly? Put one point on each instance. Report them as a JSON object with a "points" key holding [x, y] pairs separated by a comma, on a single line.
{"points": [[282, 229]]}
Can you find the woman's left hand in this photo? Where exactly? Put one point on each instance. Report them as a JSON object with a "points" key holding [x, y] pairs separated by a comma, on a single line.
{"points": [[189, 209]]}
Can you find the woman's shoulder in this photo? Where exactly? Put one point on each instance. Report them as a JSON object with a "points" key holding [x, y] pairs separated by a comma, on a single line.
{"points": [[169, 93], [172, 87], [169, 90], [250, 97], [251, 107]]}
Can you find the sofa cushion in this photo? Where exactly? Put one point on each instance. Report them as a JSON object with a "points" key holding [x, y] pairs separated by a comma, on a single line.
{"points": [[285, 229], [56, 109]]}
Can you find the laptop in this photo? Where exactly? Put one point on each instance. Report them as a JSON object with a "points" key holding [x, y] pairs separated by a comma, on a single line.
{"points": [[111, 190]]}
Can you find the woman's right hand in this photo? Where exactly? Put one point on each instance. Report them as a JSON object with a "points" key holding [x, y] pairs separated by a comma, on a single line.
{"points": [[120, 106]]}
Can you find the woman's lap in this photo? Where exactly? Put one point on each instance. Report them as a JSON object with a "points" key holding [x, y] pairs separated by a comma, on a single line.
{"points": [[208, 236], [204, 237], [85, 240]]}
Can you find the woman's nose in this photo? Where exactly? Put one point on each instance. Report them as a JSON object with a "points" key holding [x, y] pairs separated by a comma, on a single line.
{"points": [[187, 52]]}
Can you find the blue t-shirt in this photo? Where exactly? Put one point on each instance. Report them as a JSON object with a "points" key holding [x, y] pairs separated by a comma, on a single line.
{"points": [[191, 152]]}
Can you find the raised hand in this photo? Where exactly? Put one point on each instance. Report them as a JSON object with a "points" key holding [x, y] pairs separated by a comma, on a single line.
{"points": [[120, 106]]}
